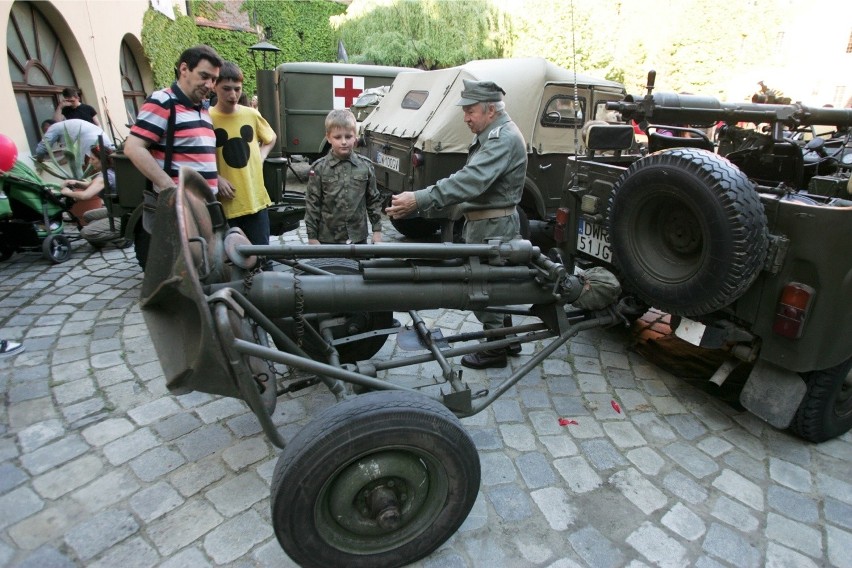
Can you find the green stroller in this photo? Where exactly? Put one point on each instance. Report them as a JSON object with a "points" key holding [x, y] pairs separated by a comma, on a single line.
{"points": [[32, 216]]}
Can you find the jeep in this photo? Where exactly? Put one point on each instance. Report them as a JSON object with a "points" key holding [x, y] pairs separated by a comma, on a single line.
{"points": [[742, 241]]}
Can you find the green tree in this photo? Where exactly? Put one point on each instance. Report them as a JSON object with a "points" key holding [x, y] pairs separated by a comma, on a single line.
{"points": [[568, 34], [300, 29], [427, 33]]}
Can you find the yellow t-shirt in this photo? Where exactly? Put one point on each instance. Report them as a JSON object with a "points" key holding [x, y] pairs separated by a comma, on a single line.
{"points": [[238, 139]]}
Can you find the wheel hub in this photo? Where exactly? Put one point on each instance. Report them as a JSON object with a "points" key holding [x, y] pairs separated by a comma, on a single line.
{"points": [[379, 493], [680, 232], [384, 507]]}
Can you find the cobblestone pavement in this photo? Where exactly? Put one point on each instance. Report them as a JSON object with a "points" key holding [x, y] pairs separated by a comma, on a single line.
{"points": [[101, 466]]}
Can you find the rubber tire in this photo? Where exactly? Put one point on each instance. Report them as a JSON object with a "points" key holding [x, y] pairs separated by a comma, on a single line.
{"points": [[524, 221], [688, 231], [826, 410], [365, 348], [56, 248], [353, 445], [415, 227]]}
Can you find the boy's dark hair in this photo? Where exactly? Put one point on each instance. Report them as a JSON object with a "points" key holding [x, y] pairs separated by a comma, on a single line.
{"points": [[196, 53], [70, 92], [47, 122], [230, 71]]}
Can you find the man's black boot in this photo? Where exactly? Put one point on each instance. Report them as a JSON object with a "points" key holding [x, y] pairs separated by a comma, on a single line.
{"points": [[492, 358]]}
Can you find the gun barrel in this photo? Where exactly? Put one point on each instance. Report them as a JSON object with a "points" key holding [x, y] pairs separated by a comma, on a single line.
{"points": [[671, 108]]}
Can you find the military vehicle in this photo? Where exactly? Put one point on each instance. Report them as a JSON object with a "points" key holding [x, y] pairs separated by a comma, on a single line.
{"points": [[387, 474], [416, 135], [296, 97], [745, 246]]}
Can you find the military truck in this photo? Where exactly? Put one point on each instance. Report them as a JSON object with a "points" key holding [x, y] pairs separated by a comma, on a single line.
{"points": [[416, 135], [744, 243], [296, 97]]}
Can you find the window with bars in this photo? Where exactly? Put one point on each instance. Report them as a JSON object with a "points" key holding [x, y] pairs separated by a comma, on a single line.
{"points": [[38, 67], [131, 83]]}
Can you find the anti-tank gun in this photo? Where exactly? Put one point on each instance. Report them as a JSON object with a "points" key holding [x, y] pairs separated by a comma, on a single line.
{"points": [[771, 143], [742, 239], [387, 474]]}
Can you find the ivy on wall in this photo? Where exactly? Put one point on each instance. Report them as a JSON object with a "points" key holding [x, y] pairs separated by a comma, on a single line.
{"points": [[300, 29], [163, 40], [233, 46]]}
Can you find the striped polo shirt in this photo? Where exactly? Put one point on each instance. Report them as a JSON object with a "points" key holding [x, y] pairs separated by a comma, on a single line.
{"points": [[195, 142]]}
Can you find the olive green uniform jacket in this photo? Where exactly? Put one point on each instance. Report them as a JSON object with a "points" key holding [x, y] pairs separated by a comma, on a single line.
{"points": [[492, 178], [340, 195]]}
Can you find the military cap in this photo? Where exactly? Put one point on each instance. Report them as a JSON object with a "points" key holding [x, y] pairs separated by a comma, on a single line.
{"points": [[480, 92]]}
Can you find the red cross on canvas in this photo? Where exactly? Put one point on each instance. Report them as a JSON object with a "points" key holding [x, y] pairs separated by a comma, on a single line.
{"points": [[346, 90]]}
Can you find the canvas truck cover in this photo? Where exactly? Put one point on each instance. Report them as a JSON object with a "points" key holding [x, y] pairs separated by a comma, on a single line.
{"points": [[436, 125]]}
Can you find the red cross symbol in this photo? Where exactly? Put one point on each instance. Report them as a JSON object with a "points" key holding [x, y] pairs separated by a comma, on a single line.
{"points": [[349, 92]]}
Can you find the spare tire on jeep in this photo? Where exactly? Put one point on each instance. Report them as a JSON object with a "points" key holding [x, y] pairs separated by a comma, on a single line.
{"points": [[688, 231]]}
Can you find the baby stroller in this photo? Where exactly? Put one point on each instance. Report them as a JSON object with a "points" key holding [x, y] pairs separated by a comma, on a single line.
{"points": [[32, 217]]}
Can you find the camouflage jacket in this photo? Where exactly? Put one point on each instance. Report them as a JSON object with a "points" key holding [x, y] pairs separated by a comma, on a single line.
{"points": [[340, 196]]}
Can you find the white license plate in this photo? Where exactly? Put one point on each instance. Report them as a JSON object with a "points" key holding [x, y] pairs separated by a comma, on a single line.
{"points": [[593, 240], [389, 162]]}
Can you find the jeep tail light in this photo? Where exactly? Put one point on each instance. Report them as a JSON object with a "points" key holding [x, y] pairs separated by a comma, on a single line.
{"points": [[792, 310], [560, 231], [417, 159]]}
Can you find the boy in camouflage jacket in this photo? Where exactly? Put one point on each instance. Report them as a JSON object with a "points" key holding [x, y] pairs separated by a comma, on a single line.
{"points": [[341, 192]]}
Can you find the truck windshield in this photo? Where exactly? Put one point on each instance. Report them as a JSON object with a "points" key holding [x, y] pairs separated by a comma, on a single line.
{"points": [[560, 111]]}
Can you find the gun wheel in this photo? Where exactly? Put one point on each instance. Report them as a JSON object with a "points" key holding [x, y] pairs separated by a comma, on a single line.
{"points": [[688, 231], [416, 227], [826, 411], [354, 322], [379, 480]]}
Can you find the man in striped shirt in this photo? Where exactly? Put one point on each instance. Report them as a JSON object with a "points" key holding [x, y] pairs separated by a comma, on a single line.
{"points": [[183, 104]]}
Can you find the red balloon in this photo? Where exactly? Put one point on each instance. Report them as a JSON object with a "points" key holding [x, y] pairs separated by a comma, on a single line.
{"points": [[8, 153]]}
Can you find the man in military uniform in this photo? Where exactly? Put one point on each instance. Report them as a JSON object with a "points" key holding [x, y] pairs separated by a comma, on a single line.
{"points": [[487, 189]]}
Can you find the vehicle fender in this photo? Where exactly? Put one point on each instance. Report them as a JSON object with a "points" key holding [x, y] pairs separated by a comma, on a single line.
{"points": [[773, 393], [323, 148], [532, 201]]}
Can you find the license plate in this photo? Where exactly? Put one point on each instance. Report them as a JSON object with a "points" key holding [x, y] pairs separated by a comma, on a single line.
{"points": [[593, 240], [390, 162]]}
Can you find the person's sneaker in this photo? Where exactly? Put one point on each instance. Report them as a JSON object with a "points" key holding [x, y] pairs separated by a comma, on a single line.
{"points": [[10, 348]]}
